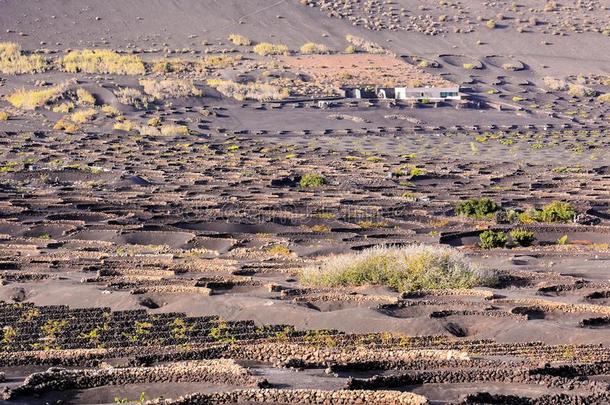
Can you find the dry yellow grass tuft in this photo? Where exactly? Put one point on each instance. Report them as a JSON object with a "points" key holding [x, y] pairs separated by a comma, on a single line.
{"points": [[32, 99], [147, 130], [313, 48], [174, 130], [170, 66], [67, 126], [604, 98], [83, 116], [131, 96], [110, 111], [63, 108], [265, 49], [170, 88], [217, 62], [578, 90], [125, 125], [102, 61], [554, 84], [4, 116], [84, 97], [250, 91], [13, 62], [239, 40]]}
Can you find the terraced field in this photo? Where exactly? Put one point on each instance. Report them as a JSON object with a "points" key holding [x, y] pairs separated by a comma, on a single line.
{"points": [[192, 212]]}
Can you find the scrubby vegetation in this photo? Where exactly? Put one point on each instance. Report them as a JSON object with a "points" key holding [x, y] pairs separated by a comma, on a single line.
{"points": [[125, 125], [170, 88], [239, 40], [133, 97], [578, 90], [174, 130], [213, 62], [32, 99], [555, 84], [522, 237], [604, 98], [266, 48], [175, 65], [83, 116], [556, 211], [249, 91], [67, 126], [491, 239], [311, 180], [102, 61], [477, 208], [84, 97], [313, 48], [405, 269], [14, 62], [4, 116]]}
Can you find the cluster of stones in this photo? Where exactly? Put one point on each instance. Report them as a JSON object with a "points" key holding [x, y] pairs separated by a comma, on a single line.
{"points": [[375, 16]]}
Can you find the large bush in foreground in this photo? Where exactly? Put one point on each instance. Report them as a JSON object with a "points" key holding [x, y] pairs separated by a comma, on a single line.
{"points": [[409, 268]]}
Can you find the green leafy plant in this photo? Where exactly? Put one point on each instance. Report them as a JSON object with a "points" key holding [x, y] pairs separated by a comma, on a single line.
{"points": [[222, 333], [477, 208], [522, 237], [490, 239], [557, 211], [311, 180]]}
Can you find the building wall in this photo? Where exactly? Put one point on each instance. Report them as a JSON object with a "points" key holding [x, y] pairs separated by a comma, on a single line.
{"points": [[406, 93]]}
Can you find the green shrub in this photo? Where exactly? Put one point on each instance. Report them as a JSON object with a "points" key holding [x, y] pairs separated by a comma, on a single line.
{"points": [[310, 180], [477, 208], [490, 239], [409, 268], [557, 211], [522, 237], [562, 240]]}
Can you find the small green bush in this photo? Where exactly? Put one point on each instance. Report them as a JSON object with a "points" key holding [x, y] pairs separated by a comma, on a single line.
{"points": [[522, 237], [311, 180], [490, 239], [557, 211], [477, 208]]}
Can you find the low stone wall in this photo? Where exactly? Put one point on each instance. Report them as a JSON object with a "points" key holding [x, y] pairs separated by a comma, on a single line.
{"points": [[211, 371], [549, 377], [298, 397]]}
